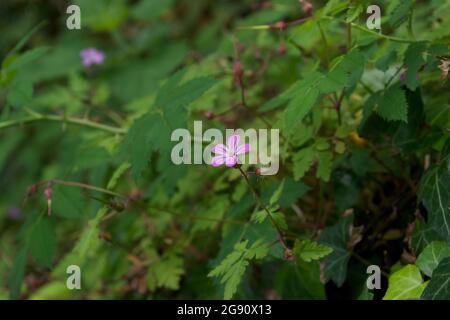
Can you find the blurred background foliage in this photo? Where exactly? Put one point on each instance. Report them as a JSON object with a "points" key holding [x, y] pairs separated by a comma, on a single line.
{"points": [[364, 172]]}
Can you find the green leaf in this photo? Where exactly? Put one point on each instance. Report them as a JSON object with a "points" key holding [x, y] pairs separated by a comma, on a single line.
{"points": [[232, 268], [309, 250], [404, 284], [152, 131], [85, 248], [400, 13], [345, 73], [439, 286], [299, 107], [423, 235], [18, 272], [393, 106], [413, 61], [166, 273], [174, 96], [27, 57], [67, 202], [43, 241], [336, 262], [354, 10], [434, 192], [277, 194], [325, 164], [432, 255], [302, 162], [20, 93], [147, 10]]}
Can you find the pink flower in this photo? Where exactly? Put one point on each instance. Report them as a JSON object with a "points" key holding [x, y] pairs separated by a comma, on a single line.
{"points": [[91, 56], [228, 154]]}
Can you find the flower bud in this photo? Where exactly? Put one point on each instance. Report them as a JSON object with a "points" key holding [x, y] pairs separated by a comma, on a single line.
{"points": [[238, 69], [280, 25], [282, 49], [48, 192], [32, 190], [209, 115], [307, 7]]}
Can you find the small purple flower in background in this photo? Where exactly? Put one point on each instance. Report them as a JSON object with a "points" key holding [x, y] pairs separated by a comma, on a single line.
{"points": [[91, 56], [14, 213], [228, 154]]}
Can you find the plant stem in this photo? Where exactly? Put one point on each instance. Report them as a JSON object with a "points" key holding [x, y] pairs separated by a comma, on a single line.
{"points": [[261, 204], [37, 117], [380, 35], [83, 186]]}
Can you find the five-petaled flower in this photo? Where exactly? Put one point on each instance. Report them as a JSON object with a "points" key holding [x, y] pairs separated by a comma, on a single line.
{"points": [[92, 56], [228, 154]]}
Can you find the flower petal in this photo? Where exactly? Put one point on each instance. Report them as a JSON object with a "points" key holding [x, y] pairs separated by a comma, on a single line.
{"points": [[243, 149], [219, 149], [217, 161], [231, 161], [233, 142]]}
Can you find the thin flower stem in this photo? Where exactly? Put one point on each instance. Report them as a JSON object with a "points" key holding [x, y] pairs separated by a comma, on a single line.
{"points": [[83, 186], [37, 117], [261, 204], [275, 26], [119, 195]]}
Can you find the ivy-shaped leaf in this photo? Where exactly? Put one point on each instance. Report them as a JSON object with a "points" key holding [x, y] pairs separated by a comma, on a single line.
{"points": [[435, 194], [439, 286], [404, 284], [431, 256], [337, 238]]}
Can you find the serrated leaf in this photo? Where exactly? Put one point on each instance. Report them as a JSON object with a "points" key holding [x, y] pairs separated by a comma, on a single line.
{"points": [[302, 162], [232, 268], [393, 105], [439, 286], [404, 284], [413, 61], [166, 273], [325, 160], [345, 73], [152, 131], [400, 13], [336, 262], [309, 250], [432, 255], [299, 107], [353, 11]]}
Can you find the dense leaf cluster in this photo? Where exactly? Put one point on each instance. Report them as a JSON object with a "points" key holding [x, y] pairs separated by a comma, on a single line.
{"points": [[87, 179]]}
